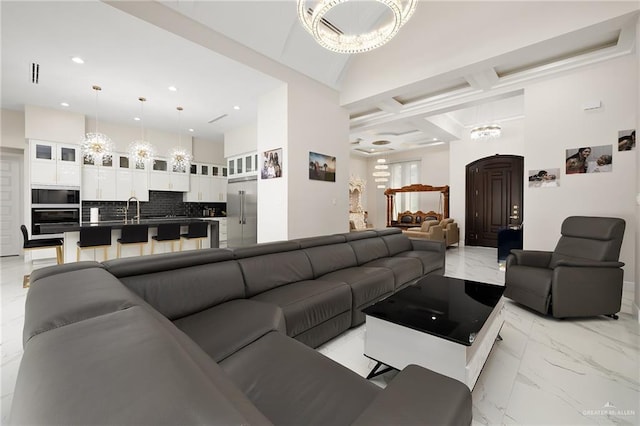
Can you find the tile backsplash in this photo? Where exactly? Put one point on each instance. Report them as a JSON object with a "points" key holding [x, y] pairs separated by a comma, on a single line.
{"points": [[160, 204]]}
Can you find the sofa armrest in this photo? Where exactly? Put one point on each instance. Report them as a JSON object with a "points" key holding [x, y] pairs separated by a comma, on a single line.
{"points": [[419, 396], [61, 269], [428, 245], [590, 263], [538, 259]]}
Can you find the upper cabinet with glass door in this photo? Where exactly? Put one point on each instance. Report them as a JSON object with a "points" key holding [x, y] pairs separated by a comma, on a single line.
{"points": [[55, 163], [242, 165]]}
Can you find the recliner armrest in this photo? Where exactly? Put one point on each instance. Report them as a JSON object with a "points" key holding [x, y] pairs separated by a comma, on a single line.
{"points": [[535, 258], [590, 263], [419, 396]]}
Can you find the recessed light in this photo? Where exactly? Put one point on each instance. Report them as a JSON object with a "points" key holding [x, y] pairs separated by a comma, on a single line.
{"points": [[434, 139], [77, 60], [136, 118], [64, 104], [191, 130], [173, 88], [237, 107]]}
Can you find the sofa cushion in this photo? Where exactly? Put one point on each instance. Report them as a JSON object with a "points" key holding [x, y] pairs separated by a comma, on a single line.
{"points": [[325, 259], [306, 304], [121, 368], [529, 285], [397, 243], [180, 292], [368, 285], [405, 269], [231, 326], [320, 241], [431, 260], [141, 265], [268, 271], [369, 249], [94, 292], [292, 384]]}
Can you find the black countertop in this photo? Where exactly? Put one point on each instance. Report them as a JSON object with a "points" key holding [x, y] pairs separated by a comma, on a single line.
{"points": [[118, 224]]}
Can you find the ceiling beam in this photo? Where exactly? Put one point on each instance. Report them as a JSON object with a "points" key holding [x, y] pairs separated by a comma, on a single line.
{"points": [[390, 105], [483, 80]]}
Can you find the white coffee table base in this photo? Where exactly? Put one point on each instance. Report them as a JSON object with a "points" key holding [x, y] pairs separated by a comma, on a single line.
{"points": [[398, 346]]}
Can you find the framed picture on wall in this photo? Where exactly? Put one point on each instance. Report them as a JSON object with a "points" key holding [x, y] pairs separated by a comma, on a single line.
{"points": [[544, 178], [589, 159], [322, 167], [626, 140], [271, 164]]}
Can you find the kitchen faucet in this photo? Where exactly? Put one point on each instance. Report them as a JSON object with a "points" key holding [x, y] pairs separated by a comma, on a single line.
{"points": [[137, 216]]}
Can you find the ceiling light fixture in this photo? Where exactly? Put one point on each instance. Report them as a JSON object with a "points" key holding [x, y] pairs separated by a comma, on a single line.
{"points": [[64, 104], [381, 175], [312, 17], [141, 151], [236, 107], [488, 131], [96, 147], [179, 158], [173, 88], [77, 60]]}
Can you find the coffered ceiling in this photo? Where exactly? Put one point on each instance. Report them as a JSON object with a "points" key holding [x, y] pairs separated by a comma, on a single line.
{"points": [[130, 57]]}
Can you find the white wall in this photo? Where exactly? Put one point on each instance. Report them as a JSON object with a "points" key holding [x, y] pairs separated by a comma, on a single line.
{"points": [[241, 140], [637, 276], [555, 123], [466, 151], [208, 151], [273, 194], [12, 129], [317, 123], [53, 125]]}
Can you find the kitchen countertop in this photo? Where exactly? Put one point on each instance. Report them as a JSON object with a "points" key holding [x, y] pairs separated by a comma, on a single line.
{"points": [[118, 224]]}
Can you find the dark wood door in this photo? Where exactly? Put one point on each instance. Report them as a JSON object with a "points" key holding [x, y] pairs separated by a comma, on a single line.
{"points": [[494, 198]]}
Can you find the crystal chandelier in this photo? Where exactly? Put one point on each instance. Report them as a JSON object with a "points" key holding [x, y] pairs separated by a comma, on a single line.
{"points": [[96, 147], [381, 175], [179, 158], [312, 16], [489, 131], [141, 151]]}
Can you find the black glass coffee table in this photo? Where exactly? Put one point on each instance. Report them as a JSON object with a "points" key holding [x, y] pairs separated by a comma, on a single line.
{"points": [[445, 324]]}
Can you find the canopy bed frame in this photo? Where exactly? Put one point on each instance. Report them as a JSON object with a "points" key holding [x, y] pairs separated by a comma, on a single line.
{"points": [[444, 190]]}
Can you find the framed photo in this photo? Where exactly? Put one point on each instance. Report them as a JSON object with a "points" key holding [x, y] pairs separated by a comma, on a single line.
{"points": [[271, 164], [322, 167], [544, 178], [589, 159], [626, 140]]}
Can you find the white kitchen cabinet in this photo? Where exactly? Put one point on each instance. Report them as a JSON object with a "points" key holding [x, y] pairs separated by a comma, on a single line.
{"points": [[161, 179], [132, 180], [199, 183], [98, 183], [243, 165], [219, 189], [55, 163]]}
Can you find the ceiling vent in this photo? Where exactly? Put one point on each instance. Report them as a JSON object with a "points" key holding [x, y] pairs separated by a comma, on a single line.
{"points": [[220, 117], [34, 73]]}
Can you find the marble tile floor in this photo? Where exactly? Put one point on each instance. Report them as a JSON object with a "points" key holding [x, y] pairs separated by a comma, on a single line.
{"points": [[543, 372]]}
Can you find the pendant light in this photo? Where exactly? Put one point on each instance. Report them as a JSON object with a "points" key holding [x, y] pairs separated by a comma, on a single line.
{"points": [[179, 158], [381, 174], [97, 147], [141, 151]]}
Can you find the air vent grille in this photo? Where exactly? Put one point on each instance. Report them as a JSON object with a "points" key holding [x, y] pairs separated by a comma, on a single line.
{"points": [[34, 73], [220, 117]]}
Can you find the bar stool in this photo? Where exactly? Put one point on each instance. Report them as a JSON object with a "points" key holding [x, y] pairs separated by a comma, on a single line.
{"points": [[47, 243], [133, 234], [196, 231], [166, 232], [94, 237]]}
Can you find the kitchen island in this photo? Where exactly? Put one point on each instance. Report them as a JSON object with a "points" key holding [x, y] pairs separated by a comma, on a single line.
{"points": [[72, 236]]}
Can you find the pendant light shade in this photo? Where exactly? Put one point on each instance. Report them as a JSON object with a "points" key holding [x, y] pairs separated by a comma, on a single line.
{"points": [[97, 147], [179, 158], [140, 150]]}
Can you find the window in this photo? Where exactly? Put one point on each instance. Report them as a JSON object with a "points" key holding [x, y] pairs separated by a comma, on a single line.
{"points": [[403, 174]]}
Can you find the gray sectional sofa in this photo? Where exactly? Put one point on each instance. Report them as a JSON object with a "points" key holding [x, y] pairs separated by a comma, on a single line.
{"points": [[221, 336]]}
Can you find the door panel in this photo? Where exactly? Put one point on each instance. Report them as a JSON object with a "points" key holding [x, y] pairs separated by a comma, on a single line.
{"points": [[494, 188], [10, 202]]}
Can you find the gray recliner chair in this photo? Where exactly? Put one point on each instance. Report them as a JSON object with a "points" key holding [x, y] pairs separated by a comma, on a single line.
{"points": [[581, 277]]}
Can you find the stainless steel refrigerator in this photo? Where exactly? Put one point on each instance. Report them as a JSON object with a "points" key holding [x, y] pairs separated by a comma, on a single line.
{"points": [[242, 211]]}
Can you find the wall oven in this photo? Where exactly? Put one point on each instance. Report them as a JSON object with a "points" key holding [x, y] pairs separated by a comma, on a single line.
{"points": [[53, 211]]}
